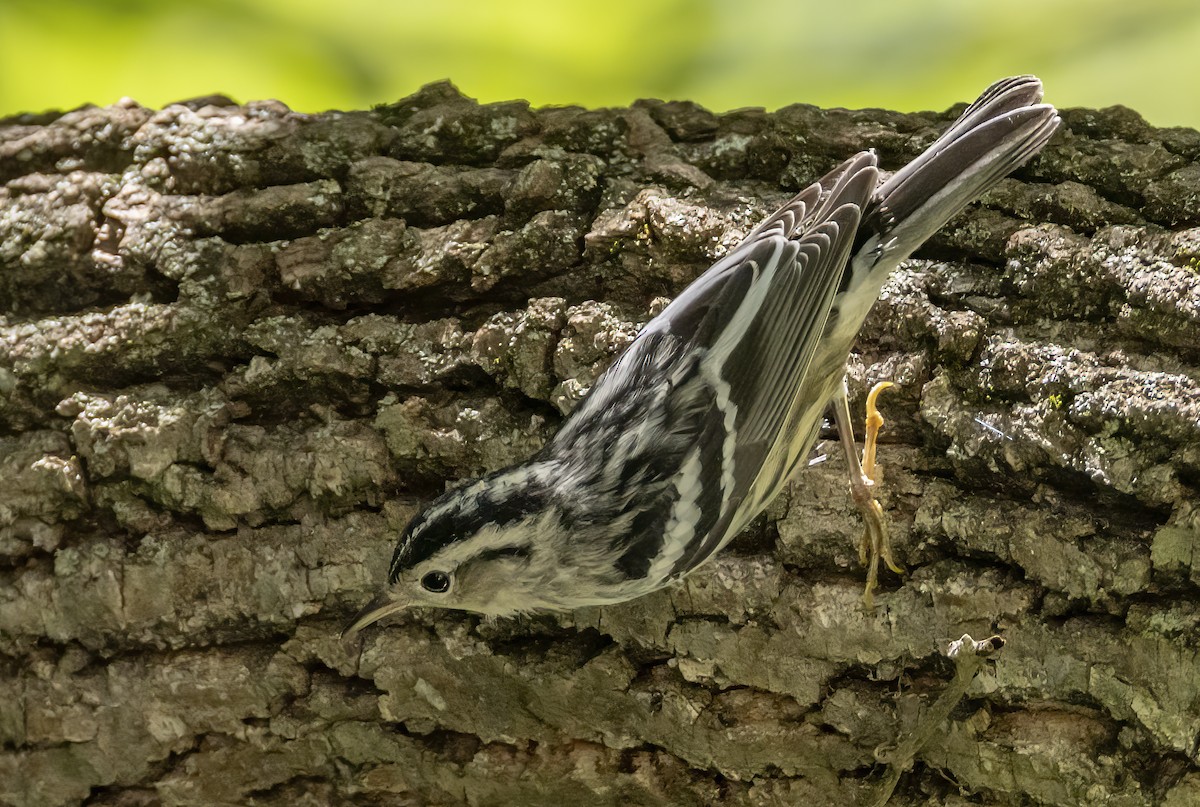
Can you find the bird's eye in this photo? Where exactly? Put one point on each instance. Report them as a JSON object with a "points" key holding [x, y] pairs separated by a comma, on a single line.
{"points": [[437, 582]]}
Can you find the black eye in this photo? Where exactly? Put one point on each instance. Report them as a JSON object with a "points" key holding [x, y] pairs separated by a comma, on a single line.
{"points": [[437, 582]]}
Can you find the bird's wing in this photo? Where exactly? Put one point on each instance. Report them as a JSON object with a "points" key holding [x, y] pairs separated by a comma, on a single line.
{"points": [[727, 360]]}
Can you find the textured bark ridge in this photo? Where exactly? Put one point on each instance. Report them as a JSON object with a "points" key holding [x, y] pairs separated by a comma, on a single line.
{"points": [[240, 345]]}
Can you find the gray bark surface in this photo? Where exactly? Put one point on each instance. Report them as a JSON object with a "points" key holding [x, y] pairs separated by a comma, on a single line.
{"points": [[240, 345]]}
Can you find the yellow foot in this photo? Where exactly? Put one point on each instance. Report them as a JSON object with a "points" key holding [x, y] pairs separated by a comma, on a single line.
{"points": [[876, 543], [874, 424]]}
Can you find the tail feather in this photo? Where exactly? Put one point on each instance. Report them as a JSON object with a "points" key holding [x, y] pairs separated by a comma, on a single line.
{"points": [[1002, 130], [1006, 95]]}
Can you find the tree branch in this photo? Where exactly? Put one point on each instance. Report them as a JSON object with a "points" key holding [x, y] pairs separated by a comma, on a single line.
{"points": [[240, 345]]}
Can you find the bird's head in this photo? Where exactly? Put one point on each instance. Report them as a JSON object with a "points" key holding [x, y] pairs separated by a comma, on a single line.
{"points": [[487, 547]]}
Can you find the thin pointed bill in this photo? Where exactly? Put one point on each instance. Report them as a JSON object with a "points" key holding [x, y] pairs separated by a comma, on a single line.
{"points": [[375, 610]]}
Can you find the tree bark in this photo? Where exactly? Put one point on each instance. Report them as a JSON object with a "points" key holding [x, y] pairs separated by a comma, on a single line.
{"points": [[241, 345]]}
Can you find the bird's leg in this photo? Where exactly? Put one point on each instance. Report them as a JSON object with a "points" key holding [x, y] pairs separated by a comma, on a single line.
{"points": [[876, 543]]}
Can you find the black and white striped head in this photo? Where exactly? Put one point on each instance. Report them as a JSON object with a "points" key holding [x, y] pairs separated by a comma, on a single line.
{"points": [[486, 547]]}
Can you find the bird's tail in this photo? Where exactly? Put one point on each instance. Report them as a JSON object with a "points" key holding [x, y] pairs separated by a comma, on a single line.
{"points": [[1002, 130]]}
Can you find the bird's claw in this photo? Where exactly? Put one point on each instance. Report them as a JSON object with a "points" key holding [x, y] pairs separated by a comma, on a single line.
{"points": [[876, 542]]}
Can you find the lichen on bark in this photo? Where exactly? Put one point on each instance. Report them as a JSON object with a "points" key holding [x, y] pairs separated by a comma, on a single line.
{"points": [[240, 345]]}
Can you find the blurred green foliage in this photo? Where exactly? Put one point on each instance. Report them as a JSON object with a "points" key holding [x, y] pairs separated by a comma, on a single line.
{"points": [[901, 54]]}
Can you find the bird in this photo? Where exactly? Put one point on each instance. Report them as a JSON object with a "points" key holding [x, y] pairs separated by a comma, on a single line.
{"points": [[715, 405]]}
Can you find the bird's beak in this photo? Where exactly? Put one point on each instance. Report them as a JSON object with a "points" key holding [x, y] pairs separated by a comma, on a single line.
{"points": [[375, 610]]}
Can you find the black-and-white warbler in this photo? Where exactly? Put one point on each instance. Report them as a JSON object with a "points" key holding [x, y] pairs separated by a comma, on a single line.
{"points": [[717, 402]]}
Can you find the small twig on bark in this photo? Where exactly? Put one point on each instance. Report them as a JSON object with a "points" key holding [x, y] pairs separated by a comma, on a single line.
{"points": [[968, 656]]}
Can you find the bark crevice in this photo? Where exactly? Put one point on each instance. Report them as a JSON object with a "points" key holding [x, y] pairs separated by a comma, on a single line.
{"points": [[238, 344]]}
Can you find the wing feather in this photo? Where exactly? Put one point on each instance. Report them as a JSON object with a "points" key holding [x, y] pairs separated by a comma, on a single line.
{"points": [[760, 358], [715, 377]]}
